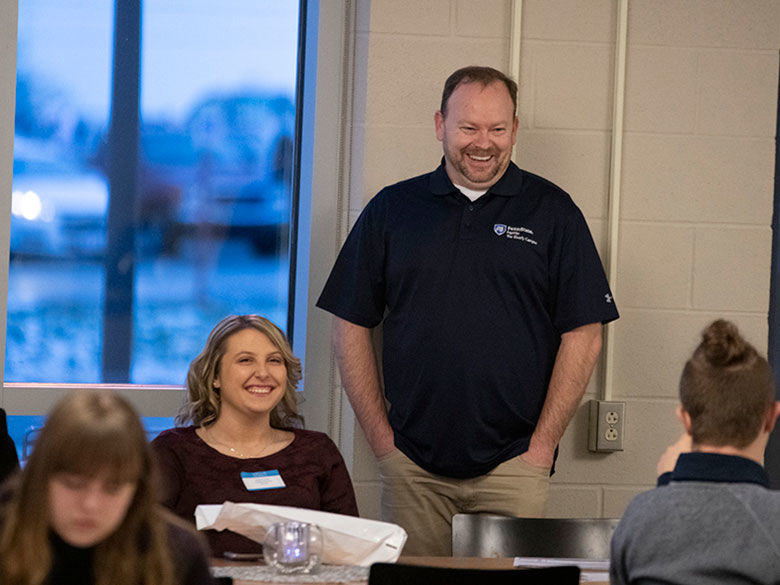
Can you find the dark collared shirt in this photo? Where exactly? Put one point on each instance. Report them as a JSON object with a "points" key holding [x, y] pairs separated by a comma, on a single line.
{"points": [[474, 297], [715, 467]]}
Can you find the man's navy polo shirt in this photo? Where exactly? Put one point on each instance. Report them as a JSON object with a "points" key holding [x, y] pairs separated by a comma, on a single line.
{"points": [[474, 297]]}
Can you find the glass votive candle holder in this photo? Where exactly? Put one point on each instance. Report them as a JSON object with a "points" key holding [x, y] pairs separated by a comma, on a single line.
{"points": [[293, 547]]}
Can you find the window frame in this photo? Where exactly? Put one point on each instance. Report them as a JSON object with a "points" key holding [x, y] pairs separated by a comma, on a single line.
{"points": [[324, 81]]}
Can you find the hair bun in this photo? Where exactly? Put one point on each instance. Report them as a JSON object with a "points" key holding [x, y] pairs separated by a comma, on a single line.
{"points": [[723, 345]]}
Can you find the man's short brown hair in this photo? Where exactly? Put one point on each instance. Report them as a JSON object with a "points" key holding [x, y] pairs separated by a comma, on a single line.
{"points": [[476, 74], [726, 388]]}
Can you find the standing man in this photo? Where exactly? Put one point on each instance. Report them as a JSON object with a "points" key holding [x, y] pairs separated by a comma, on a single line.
{"points": [[492, 295]]}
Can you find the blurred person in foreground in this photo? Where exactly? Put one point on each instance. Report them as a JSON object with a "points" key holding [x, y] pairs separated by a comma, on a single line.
{"points": [[712, 518], [9, 460], [245, 443], [85, 509]]}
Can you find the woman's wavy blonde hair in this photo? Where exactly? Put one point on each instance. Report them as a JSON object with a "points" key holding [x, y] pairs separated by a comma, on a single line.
{"points": [[89, 433], [203, 405]]}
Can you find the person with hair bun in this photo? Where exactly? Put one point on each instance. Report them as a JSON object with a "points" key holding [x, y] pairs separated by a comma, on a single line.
{"points": [[712, 518], [85, 508], [244, 442]]}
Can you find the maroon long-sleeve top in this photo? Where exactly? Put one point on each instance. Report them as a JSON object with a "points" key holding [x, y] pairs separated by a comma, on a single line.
{"points": [[311, 468]]}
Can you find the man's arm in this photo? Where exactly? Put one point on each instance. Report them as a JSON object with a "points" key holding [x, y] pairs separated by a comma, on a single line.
{"points": [[574, 363], [355, 355]]}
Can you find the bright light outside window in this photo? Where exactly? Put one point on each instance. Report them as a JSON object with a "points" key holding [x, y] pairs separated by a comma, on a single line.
{"points": [[123, 258]]}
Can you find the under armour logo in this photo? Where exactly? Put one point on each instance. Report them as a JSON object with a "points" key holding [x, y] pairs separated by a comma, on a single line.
{"points": [[608, 297]]}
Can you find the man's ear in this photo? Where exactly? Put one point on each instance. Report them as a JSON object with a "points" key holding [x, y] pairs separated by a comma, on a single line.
{"points": [[438, 121], [684, 417]]}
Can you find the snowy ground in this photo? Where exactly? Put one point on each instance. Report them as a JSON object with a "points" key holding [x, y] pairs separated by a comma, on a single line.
{"points": [[55, 315]]}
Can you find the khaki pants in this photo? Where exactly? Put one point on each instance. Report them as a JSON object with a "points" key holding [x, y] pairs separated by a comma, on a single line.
{"points": [[423, 503]]}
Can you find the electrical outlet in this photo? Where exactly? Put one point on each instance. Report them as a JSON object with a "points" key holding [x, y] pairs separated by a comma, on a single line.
{"points": [[607, 425]]}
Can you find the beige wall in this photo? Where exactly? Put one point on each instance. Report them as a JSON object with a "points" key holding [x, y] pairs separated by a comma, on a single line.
{"points": [[698, 168]]}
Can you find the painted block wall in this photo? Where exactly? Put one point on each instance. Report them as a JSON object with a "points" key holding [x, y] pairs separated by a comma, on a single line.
{"points": [[698, 166]]}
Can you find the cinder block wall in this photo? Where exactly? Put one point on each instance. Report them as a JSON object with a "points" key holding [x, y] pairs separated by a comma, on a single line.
{"points": [[698, 167]]}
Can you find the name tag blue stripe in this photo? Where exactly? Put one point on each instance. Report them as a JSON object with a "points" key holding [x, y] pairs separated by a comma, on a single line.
{"points": [[262, 480]]}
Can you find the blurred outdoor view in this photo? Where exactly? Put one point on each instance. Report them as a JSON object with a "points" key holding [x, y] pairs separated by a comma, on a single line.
{"points": [[117, 279]]}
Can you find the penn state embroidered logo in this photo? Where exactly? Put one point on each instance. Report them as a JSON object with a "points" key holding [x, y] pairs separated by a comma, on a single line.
{"points": [[499, 229]]}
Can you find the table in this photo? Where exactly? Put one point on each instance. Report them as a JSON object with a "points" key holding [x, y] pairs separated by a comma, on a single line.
{"points": [[253, 573], [455, 562]]}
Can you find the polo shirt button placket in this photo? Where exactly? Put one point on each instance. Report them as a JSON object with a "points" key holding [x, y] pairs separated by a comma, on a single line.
{"points": [[466, 232]]}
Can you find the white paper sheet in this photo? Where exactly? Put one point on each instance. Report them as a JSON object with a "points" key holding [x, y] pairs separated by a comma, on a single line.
{"points": [[346, 540], [591, 570]]}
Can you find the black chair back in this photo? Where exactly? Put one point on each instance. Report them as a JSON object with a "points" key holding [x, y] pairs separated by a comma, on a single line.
{"points": [[401, 574], [490, 535]]}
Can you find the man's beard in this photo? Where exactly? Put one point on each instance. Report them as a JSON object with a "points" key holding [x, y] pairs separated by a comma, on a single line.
{"points": [[485, 175]]}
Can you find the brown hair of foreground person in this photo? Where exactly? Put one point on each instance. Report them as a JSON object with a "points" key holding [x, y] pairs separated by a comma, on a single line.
{"points": [[91, 438]]}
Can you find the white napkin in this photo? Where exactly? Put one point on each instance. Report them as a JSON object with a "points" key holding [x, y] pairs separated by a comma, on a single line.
{"points": [[346, 540]]}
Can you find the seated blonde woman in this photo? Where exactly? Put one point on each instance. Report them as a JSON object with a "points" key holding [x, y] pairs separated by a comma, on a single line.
{"points": [[245, 442], [85, 508]]}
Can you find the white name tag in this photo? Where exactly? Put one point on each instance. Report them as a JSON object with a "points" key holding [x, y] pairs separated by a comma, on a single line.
{"points": [[262, 480]]}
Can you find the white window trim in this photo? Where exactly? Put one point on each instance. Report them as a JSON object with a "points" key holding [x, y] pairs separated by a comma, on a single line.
{"points": [[324, 172], [8, 18]]}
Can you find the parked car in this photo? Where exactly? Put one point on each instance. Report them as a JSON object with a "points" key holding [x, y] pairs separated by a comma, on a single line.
{"points": [[57, 208], [242, 185], [225, 173]]}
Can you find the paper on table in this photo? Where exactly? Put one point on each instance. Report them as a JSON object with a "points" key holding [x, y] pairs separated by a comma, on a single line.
{"points": [[585, 564], [346, 540], [592, 570]]}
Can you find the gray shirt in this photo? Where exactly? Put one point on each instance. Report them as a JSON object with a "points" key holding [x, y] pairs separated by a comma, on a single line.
{"points": [[715, 522]]}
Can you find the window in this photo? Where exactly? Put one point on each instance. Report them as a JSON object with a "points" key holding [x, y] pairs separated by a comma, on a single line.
{"points": [[138, 274], [322, 134], [121, 264]]}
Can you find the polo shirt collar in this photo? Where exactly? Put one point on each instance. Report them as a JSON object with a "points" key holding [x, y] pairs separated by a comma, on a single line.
{"points": [[715, 467], [507, 186], [510, 182]]}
